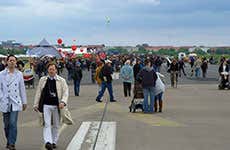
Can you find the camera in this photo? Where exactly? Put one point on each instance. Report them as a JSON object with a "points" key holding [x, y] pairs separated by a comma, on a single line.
{"points": [[53, 94]]}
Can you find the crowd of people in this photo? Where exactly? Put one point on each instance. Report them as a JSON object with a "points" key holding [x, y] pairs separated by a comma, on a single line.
{"points": [[52, 91]]}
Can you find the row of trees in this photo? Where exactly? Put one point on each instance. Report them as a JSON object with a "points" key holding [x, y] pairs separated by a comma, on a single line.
{"points": [[221, 51], [170, 52], [11, 51], [142, 50]]}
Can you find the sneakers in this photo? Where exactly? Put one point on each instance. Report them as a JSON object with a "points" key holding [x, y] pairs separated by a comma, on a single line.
{"points": [[113, 101], [98, 100], [49, 146], [11, 147]]}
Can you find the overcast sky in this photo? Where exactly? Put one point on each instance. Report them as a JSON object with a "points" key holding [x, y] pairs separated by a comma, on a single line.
{"points": [[132, 22]]}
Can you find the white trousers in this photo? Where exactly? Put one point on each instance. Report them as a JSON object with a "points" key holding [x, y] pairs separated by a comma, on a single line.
{"points": [[50, 131]]}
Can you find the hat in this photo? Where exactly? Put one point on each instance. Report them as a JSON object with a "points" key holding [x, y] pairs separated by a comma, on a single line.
{"points": [[78, 63], [108, 61], [127, 62]]}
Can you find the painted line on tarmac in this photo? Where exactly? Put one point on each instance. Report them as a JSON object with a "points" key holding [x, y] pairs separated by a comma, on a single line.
{"points": [[79, 137], [77, 113], [86, 136], [150, 119], [153, 120]]}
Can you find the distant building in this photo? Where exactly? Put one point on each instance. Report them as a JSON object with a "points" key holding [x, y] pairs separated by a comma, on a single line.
{"points": [[10, 44], [94, 48], [128, 48], [157, 48]]}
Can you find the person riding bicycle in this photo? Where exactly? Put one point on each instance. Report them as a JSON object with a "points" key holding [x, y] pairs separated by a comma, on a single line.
{"points": [[173, 70]]}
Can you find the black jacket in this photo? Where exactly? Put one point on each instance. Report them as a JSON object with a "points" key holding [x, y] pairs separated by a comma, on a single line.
{"points": [[221, 69], [106, 73], [77, 73], [136, 70], [147, 77], [174, 67]]}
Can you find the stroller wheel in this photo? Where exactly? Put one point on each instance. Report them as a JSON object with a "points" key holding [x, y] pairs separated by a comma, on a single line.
{"points": [[142, 109], [134, 110], [220, 87]]}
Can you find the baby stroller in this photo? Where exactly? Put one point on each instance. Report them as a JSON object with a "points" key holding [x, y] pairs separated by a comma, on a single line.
{"points": [[224, 81], [28, 75], [136, 103]]}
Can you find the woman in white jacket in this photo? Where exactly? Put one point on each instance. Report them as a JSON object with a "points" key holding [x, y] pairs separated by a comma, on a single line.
{"points": [[159, 91]]}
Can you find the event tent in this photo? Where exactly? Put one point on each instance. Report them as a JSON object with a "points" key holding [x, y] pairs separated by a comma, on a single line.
{"points": [[44, 48]]}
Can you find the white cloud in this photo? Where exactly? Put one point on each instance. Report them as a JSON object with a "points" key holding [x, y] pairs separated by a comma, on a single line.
{"points": [[155, 2], [61, 8], [44, 8]]}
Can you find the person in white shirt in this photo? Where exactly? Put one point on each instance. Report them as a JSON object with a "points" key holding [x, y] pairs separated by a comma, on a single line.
{"points": [[12, 99]]}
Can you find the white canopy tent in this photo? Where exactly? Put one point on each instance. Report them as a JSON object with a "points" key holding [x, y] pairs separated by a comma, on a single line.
{"points": [[2, 56], [25, 56]]}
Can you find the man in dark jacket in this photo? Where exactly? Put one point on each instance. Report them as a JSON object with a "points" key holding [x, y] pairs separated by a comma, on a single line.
{"points": [[136, 68], [204, 67], [106, 76], [77, 76], [173, 69], [148, 78], [181, 67]]}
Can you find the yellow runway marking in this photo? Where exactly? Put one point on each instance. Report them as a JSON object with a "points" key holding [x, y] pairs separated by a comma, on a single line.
{"points": [[150, 119], [153, 120]]}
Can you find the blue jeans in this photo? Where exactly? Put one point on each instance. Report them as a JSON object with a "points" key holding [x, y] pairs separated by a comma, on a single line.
{"points": [[148, 92], [105, 85], [10, 120], [197, 72], [69, 77], [77, 87]]}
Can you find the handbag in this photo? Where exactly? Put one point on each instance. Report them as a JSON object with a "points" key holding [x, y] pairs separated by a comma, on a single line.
{"points": [[66, 116]]}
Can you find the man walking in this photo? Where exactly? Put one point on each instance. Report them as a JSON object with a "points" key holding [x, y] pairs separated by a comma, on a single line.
{"points": [[204, 67], [77, 76], [12, 99], [51, 96], [197, 66], [173, 70], [106, 77], [181, 67]]}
